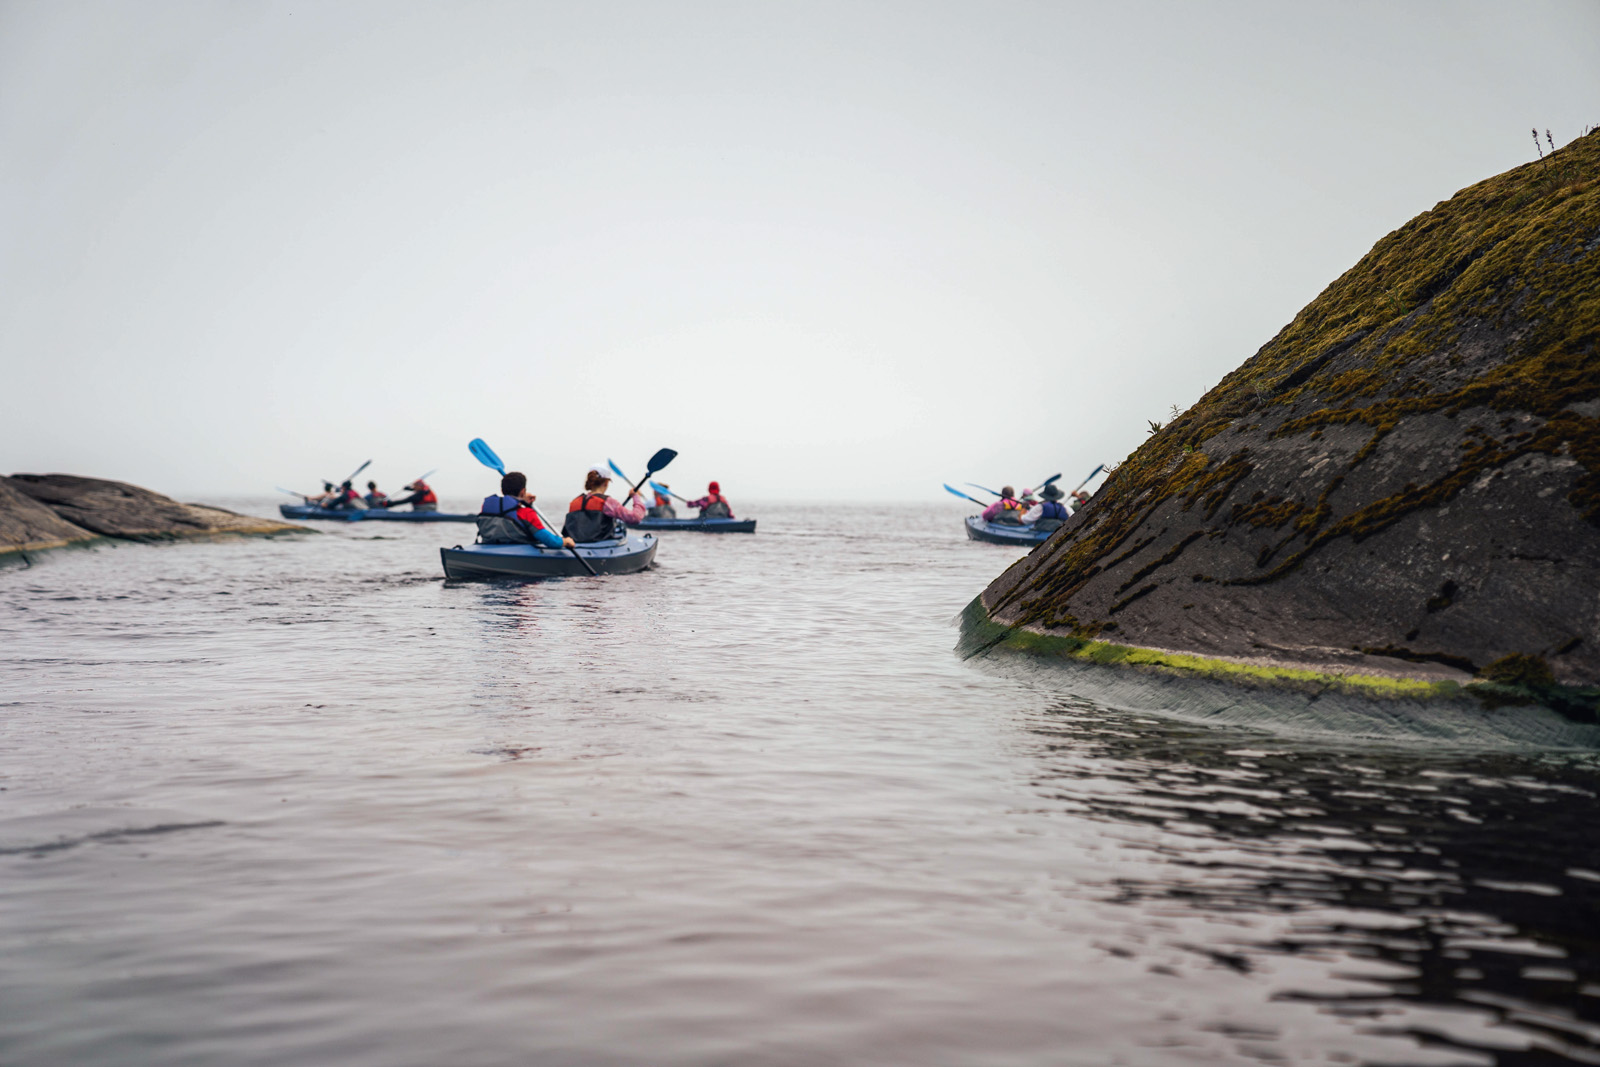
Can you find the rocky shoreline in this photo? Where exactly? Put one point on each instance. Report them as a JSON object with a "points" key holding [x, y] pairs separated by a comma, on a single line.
{"points": [[42, 512], [1399, 491]]}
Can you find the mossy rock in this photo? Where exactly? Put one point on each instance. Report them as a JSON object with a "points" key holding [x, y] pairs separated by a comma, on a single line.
{"points": [[1409, 470]]}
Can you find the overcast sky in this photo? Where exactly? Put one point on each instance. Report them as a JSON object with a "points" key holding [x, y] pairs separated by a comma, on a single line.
{"points": [[830, 251]]}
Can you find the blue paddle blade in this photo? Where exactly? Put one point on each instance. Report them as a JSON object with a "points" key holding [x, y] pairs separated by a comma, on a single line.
{"points": [[618, 471], [660, 460], [985, 488], [1050, 479], [484, 454], [960, 494], [658, 487]]}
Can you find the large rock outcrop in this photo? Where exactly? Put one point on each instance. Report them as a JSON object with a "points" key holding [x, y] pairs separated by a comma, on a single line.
{"points": [[1404, 481], [40, 511], [28, 526]]}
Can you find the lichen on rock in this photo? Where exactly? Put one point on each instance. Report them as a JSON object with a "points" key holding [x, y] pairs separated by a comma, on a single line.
{"points": [[1409, 472]]}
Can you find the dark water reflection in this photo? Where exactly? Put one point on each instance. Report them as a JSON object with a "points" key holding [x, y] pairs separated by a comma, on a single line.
{"points": [[1461, 894]]}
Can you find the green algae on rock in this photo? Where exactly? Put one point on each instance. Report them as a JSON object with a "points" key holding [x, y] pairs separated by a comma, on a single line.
{"points": [[1403, 483]]}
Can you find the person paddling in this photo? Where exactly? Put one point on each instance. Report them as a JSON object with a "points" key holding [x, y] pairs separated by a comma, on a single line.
{"points": [[421, 498], [1007, 510], [592, 516], [662, 508], [375, 498], [509, 518], [344, 498], [713, 505], [1049, 513]]}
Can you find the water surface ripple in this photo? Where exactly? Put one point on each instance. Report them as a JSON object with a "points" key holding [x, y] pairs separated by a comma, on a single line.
{"points": [[300, 801]]}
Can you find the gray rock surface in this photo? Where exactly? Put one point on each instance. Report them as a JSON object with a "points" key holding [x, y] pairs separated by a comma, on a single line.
{"points": [[1405, 480], [28, 526], [65, 508]]}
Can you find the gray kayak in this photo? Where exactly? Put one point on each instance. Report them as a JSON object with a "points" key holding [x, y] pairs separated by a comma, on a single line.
{"points": [[621, 556]]}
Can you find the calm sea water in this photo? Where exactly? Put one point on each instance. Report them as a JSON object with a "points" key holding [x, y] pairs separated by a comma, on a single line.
{"points": [[301, 802]]}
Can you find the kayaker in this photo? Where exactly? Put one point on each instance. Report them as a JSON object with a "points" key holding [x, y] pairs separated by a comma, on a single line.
{"points": [[1049, 513], [324, 496], [1007, 510], [662, 508], [421, 498], [1079, 499], [509, 518], [593, 516], [375, 498], [713, 505], [344, 498]]}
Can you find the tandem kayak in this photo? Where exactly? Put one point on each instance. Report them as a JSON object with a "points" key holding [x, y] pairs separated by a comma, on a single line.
{"points": [[1004, 534], [703, 525], [622, 556], [311, 511]]}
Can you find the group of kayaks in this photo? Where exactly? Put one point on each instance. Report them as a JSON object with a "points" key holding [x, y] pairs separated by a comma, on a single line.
{"points": [[632, 549], [1014, 532]]}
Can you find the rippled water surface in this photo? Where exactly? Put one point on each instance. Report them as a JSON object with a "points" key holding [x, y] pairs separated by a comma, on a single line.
{"points": [[300, 802]]}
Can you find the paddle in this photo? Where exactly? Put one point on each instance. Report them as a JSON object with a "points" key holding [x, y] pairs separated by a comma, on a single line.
{"points": [[663, 490], [985, 488], [1089, 479], [657, 462], [964, 496], [291, 492], [484, 454], [1048, 480]]}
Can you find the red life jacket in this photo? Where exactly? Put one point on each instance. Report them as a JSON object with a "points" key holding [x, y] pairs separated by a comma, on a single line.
{"points": [[588, 502], [427, 496], [662, 501]]}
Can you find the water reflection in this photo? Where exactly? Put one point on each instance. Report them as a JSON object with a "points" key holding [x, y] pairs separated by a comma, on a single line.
{"points": [[1454, 900]]}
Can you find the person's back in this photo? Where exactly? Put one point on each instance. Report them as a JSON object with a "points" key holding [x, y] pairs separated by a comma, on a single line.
{"points": [[662, 508], [1048, 514], [509, 518], [592, 516], [1007, 511], [713, 505], [375, 498]]}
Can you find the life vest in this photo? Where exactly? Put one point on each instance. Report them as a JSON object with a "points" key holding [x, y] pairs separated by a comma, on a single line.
{"points": [[1010, 513], [663, 501], [716, 507], [1051, 518], [504, 520], [587, 521], [663, 511], [376, 500], [427, 496]]}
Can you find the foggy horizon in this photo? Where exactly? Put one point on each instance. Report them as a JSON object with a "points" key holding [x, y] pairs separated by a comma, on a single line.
{"points": [[831, 253]]}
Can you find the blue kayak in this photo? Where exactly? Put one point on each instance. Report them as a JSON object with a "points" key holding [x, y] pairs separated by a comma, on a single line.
{"points": [[312, 511], [997, 533], [625, 555], [703, 525]]}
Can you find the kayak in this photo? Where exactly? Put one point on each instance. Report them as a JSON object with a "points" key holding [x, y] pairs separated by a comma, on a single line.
{"points": [[1004, 534], [311, 511], [621, 556], [703, 525]]}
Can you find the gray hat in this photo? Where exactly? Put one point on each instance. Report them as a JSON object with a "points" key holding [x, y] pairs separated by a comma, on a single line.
{"points": [[1050, 492]]}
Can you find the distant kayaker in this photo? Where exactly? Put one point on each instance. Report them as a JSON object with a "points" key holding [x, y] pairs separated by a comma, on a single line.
{"points": [[375, 498], [421, 498], [662, 508], [323, 497], [509, 518], [713, 505], [593, 516], [344, 498], [1049, 513], [1007, 510], [1079, 499]]}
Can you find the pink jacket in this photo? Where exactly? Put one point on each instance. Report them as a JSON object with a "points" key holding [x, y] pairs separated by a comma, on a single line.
{"points": [[998, 506], [618, 510]]}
